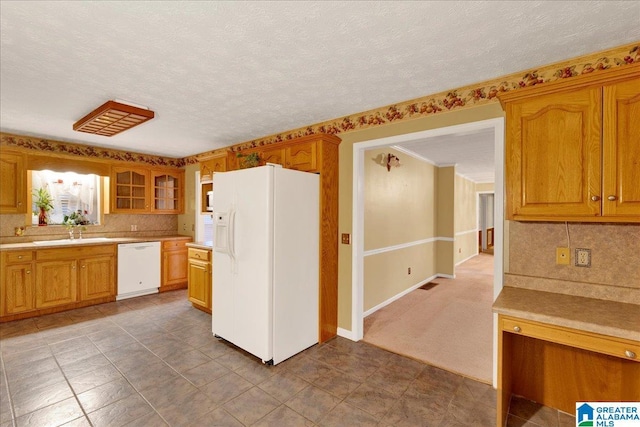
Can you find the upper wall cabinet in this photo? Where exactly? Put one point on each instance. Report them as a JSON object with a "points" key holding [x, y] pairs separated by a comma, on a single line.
{"points": [[142, 190], [13, 177], [573, 149], [209, 165], [168, 191], [129, 190]]}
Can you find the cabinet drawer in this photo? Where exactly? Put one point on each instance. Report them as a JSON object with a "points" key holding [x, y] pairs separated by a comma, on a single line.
{"points": [[168, 245], [19, 256], [612, 346], [199, 254], [79, 251]]}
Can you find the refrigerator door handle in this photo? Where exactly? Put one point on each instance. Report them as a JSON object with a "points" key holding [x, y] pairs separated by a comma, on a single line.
{"points": [[231, 239]]}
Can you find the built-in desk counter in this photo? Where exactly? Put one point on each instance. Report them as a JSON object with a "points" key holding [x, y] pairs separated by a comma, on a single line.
{"points": [[559, 349]]}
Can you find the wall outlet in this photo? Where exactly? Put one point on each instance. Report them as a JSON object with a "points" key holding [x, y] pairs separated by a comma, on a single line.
{"points": [[134, 227], [563, 256], [409, 270], [583, 257], [346, 238]]}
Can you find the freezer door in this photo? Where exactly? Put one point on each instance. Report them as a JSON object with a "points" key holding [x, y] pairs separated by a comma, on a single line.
{"points": [[242, 267]]}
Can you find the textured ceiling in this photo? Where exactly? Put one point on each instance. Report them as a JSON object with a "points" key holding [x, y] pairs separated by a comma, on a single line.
{"points": [[472, 153], [220, 73]]}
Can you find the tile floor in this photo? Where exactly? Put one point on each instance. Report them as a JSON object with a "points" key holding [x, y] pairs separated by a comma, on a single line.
{"points": [[152, 361]]}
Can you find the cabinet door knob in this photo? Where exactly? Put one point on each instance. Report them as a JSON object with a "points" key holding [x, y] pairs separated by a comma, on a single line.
{"points": [[28, 271], [84, 266], [612, 198], [19, 256], [630, 354], [517, 328], [595, 198]]}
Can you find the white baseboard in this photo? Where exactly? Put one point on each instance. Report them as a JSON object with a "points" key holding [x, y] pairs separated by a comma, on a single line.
{"points": [[345, 333], [397, 296], [447, 276], [466, 259]]}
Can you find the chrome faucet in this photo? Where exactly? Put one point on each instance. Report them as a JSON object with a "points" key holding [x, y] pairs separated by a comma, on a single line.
{"points": [[71, 234]]}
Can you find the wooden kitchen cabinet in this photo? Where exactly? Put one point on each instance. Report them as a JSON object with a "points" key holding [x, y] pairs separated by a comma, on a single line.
{"points": [[18, 286], [621, 156], [167, 191], [558, 366], [209, 165], [572, 150], [42, 281], [56, 283], [13, 177], [174, 264], [97, 277], [301, 156], [147, 190], [200, 278], [130, 190]]}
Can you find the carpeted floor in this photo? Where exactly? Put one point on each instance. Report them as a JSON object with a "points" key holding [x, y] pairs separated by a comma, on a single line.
{"points": [[448, 325]]}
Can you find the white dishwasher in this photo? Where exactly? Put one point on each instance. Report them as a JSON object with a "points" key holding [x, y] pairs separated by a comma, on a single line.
{"points": [[138, 269]]}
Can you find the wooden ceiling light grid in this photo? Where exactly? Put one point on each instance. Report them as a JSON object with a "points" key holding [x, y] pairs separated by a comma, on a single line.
{"points": [[112, 118]]}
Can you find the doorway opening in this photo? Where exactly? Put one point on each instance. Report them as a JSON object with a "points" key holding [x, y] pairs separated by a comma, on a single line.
{"points": [[496, 126]]}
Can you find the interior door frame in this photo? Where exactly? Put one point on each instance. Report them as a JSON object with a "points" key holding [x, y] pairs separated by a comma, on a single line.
{"points": [[357, 259]]}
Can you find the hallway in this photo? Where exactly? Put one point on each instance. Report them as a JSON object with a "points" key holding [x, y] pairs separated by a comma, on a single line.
{"points": [[449, 325]]}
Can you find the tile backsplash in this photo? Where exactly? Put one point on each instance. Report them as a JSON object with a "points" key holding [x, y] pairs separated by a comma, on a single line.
{"points": [[115, 225], [615, 258]]}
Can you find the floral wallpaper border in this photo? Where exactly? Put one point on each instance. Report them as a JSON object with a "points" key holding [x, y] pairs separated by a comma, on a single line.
{"points": [[456, 99], [68, 148]]}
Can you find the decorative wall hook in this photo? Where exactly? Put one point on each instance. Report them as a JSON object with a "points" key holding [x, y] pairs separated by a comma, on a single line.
{"points": [[392, 160]]}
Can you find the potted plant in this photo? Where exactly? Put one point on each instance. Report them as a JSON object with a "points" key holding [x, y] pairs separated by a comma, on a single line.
{"points": [[249, 160], [73, 220], [44, 202]]}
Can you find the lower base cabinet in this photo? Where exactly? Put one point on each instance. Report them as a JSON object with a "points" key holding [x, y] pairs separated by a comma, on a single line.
{"points": [[44, 281], [174, 264], [200, 279]]}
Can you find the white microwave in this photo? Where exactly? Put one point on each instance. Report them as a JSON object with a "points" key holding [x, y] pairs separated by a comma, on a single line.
{"points": [[210, 201]]}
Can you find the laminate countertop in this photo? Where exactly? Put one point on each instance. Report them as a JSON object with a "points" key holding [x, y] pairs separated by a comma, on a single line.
{"points": [[208, 245], [65, 243], [603, 317]]}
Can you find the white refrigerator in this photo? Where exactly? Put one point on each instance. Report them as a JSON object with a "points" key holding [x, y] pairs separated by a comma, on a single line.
{"points": [[266, 260]]}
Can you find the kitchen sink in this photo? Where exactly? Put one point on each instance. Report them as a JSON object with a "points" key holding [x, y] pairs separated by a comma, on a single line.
{"points": [[72, 242]]}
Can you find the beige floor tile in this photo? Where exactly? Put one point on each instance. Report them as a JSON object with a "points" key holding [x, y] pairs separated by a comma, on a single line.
{"points": [[105, 394], [56, 414], [251, 406], [313, 403], [121, 412]]}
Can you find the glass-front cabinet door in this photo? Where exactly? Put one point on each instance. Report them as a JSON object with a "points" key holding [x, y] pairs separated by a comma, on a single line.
{"points": [[130, 190], [167, 191]]}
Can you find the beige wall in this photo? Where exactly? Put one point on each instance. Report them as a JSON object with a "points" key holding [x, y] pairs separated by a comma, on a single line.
{"points": [[186, 221], [346, 183], [399, 208], [399, 205], [465, 219], [385, 274], [446, 220]]}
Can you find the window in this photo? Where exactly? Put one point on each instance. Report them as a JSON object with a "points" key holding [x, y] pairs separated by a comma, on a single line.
{"points": [[71, 192]]}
